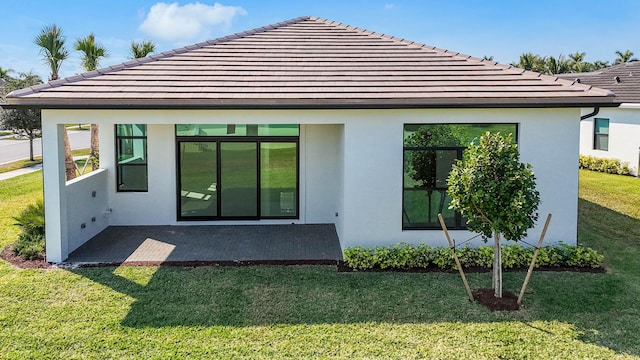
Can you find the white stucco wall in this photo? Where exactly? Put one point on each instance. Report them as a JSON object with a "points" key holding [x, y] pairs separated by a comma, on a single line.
{"points": [[322, 173], [86, 211], [624, 135], [373, 171], [350, 164]]}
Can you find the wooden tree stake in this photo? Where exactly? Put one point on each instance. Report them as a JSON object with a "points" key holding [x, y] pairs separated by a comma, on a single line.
{"points": [[455, 257], [533, 260]]}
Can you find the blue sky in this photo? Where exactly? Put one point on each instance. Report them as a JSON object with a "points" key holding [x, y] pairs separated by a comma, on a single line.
{"points": [[499, 28]]}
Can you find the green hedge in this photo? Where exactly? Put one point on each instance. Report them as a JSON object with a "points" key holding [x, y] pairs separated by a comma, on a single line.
{"points": [[406, 256], [609, 166]]}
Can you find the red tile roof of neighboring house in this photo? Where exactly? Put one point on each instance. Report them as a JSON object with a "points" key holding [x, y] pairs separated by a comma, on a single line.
{"points": [[622, 79], [310, 62]]}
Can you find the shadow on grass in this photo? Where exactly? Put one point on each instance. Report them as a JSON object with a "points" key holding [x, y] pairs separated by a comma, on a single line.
{"points": [[602, 307]]}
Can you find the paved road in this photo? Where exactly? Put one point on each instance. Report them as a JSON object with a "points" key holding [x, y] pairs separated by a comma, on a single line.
{"points": [[12, 150]]}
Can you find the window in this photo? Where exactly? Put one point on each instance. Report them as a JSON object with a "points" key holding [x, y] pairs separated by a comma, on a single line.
{"points": [[131, 154], [430, 150], [236, 172], [601, 134]]}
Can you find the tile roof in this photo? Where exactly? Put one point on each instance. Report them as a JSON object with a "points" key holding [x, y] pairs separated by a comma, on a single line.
{"points": [[622, 79], [309, 62]]}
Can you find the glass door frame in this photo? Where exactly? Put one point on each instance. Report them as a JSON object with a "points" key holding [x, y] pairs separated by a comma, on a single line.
{"points": [[258, 140]]}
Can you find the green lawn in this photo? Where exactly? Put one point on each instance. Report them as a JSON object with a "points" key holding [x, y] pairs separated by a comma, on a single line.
{"points": [[315, 312]]}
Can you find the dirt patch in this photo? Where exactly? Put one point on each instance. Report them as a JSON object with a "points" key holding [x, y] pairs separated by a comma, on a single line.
{"points": [[8, 255], [486, 297]]}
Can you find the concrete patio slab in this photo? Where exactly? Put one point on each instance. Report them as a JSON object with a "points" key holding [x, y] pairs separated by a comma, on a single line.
{"points": [[310, 243]]}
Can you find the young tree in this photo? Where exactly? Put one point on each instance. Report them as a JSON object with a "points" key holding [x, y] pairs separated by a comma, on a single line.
{"points": [[25, 120], [51, 43], [496, 192], [141, 49], [91, 54]]}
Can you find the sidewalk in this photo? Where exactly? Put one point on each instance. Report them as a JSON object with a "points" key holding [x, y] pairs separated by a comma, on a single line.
{"points": [[14, 173], [30, 169]]}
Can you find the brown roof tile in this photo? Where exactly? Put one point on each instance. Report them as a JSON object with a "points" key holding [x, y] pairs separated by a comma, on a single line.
{"points": [[310, 62], [622, 79]]}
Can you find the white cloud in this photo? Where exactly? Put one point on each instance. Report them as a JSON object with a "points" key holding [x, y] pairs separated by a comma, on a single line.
{"points": [[189, 22], [389, 6]]}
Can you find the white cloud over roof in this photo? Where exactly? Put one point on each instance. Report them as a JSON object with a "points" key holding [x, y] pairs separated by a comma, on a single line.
{"points": [[189, 22]]}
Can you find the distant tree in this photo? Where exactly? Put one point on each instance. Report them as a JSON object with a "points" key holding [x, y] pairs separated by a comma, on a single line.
{"points": [[577, 57], [624, 57], [91, 54], [531, 62], [141, 49], [4, 73], [559, 65], [51, 42], [598, 64], [22, 120], [496, 192], [490, 58]]}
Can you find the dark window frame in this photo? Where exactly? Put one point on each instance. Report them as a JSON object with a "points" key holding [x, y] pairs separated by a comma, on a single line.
{"points": [[119, 166], [597, 135], [250, 139], [459, 223]]}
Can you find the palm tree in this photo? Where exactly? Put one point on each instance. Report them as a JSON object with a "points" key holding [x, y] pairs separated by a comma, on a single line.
{"points": [[532, 62], [91, 54], [4, 73], [559, 65], [624, 57], [51, 43], [578, 57], [599, 64], [141, 49]]}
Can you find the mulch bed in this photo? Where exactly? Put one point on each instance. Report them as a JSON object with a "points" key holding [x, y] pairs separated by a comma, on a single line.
{"points": [[8, 255], [486, 297]]}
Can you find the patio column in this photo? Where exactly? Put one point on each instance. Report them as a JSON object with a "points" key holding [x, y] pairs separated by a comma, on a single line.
{"points": [[55, 195]]}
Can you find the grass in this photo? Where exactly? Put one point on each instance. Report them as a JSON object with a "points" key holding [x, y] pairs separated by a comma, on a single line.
{"points": [[78, 126], [315, 312], [3, 133], [20, 164]]}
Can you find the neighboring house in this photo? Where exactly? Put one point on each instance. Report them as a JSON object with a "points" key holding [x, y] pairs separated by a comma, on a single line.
{"points": [[304, 121], [613, 132]]}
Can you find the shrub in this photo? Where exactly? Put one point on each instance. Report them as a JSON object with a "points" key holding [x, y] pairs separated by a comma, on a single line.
{"points": [[609, 166], [31, 219], [31, 243], [29, 246], [359, 257], [405, 256]]}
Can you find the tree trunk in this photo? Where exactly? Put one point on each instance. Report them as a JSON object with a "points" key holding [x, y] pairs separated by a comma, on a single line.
{"points": [[95, 147], [69, 165], [31, 146], [497, 266]]}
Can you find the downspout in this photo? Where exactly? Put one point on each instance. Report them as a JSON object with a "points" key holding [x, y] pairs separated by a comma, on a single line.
{"points": [[595, 112]]}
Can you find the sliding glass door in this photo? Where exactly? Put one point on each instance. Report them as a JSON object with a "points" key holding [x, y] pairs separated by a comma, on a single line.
{"points": [[198, 179], [237, 179]]}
